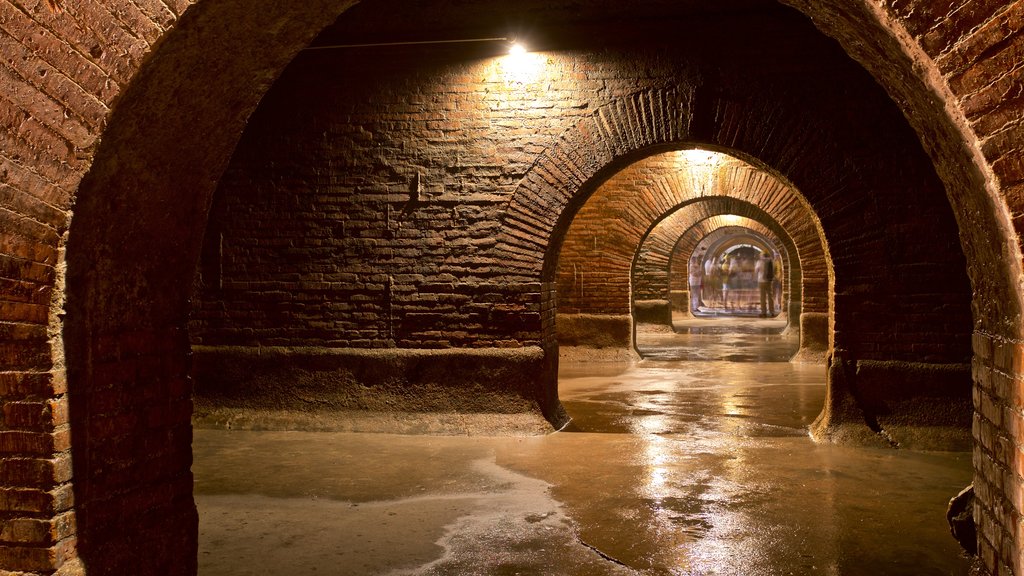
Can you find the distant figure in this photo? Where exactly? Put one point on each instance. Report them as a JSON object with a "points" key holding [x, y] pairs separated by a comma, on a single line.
{"points": [[764, 269], [726, 271], [711, 281], [696, 279]]}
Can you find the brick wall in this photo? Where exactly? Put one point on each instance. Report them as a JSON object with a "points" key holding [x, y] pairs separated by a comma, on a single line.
{"points": [[974, 52], [950, 67], [368, 250], [121, 450], [64, 65], [421, 198], [963, 54]]}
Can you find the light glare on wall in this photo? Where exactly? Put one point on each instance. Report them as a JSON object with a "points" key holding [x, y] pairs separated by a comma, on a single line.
{"points": [[704, 157], [701, 167], [521, 66]]}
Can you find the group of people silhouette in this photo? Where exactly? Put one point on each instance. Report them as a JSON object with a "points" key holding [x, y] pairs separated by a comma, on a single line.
{"points": [[736, 282]]}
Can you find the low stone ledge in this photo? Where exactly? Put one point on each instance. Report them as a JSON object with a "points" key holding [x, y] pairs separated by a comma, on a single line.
{"points": [[813, 332], [595, 330], [569, 355], [653, 311], [376, 422], [321, 388], [913, 405]]}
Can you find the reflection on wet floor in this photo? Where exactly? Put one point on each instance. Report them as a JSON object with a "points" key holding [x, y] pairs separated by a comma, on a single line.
{"points": [[725, 338], [670, 467]]}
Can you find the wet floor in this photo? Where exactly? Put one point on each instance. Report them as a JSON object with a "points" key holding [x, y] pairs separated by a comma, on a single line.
{"points": [[717, 338], [675, 467]]}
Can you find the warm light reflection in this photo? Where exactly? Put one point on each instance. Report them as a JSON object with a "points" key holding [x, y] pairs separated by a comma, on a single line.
{"points": [[704, 157], [657, 455], [702, 166], [521, 66], [732, 408]]}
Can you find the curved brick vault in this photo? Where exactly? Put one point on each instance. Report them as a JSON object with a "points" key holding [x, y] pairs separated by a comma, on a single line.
{"points": [[87, 70], [660, 263], [806, 270], [722, 232], [608, 230], [670, 259], [656, 200], [662, 260]]}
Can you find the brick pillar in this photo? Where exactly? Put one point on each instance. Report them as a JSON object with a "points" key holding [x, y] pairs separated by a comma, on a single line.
{"points": [[38, 524], [38, 533], [999, 467]]}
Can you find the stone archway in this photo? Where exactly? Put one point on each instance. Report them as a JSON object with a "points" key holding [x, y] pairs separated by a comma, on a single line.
{"points": [[44, 181], [547, 200], [808, 272], [133, 245], [593, 274]]}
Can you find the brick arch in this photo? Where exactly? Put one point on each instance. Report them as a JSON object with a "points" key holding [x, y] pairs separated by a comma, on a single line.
{"points": [[948, 68], [815, 146], [647, 191], [715, 226], [661, 264], [593, 150], [671, 242], [132, 247], [926, 58], [641, 196], [744, 229], [661, 260], [806, 265], [727, 231], [861, 170], [952, 69], [686, 244]]}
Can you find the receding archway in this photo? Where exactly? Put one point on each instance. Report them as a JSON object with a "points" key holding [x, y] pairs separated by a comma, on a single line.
{"points": [[703, 281], [995, 292], [654, 201], [944, 363]]}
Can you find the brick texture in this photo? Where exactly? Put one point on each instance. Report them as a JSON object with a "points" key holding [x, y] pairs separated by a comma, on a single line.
{"points": [[955, 76], [648, 207]]}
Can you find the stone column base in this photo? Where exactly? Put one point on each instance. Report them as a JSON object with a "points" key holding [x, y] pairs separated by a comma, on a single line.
{"points": [[905, 404]]}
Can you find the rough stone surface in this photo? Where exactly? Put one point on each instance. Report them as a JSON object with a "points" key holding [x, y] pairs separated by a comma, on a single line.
{"points": [[325, 381], [950, 68], [905, 404], [653, 311], [960, 515], [814, 332], [595, 330]]}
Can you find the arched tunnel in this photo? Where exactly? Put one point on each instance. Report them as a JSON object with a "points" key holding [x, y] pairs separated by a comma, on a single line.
{"points": [[350, 287]]}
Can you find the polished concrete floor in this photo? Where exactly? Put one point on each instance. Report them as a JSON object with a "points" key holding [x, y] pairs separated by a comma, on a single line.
{"points": [[670, 466]]}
